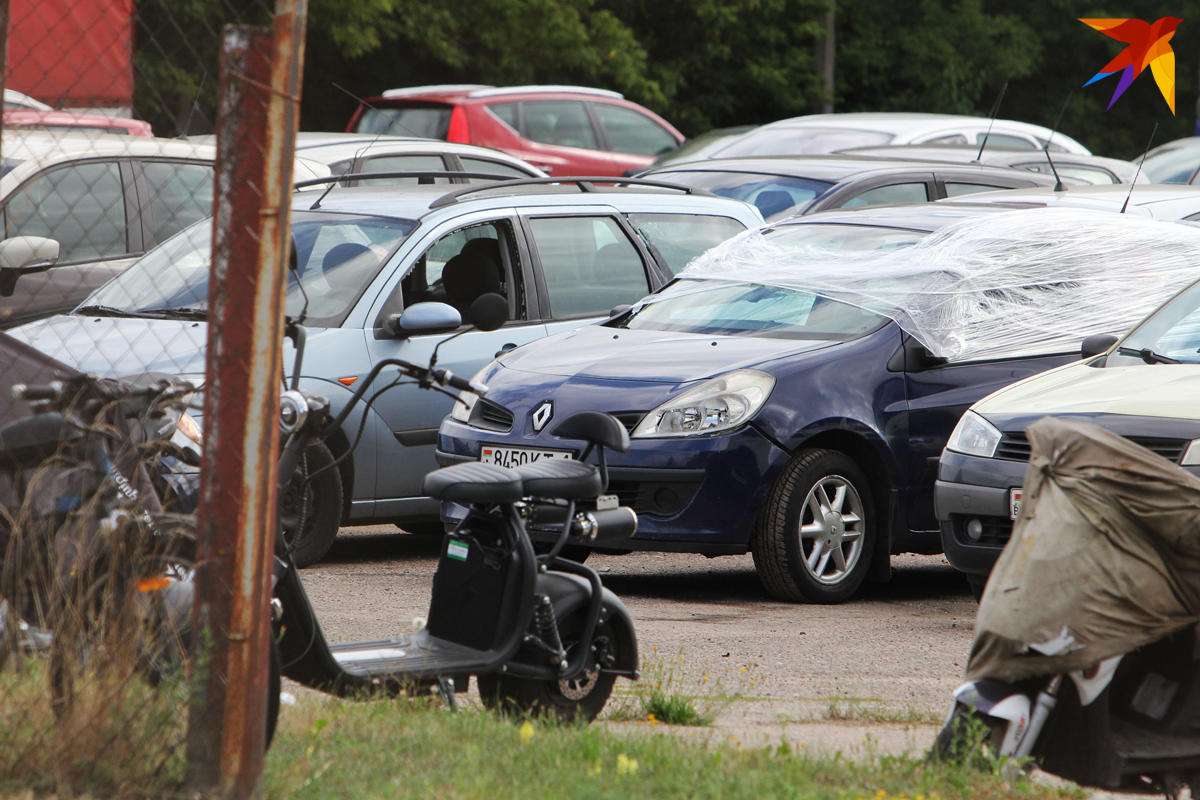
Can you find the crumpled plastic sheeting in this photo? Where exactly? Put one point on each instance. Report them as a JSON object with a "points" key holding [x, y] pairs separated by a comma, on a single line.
{"points": [[1104, 557], [1001, 285]]}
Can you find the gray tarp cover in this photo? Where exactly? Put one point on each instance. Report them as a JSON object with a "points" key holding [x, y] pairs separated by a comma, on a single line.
{"points": [[1104, 557]]}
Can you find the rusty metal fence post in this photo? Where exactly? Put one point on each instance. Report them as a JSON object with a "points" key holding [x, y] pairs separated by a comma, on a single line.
{"points": [[256, 126]]}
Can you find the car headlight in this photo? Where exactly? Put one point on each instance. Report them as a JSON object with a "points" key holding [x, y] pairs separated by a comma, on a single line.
{"points": [[462, 411], [974, 436], [1191, 456], [720, 404]]}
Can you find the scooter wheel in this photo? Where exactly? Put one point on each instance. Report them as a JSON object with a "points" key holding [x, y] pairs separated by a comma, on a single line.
{"points": [[581, 698], [320, 504]]}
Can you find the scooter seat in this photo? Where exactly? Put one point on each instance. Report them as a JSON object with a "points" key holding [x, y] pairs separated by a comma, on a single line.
{"points": [[475, 483], [560, 477]]}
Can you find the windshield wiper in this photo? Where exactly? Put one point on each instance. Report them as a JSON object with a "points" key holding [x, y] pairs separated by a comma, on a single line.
{"points": [[1147, 355], [110, 311], [182, 313]]}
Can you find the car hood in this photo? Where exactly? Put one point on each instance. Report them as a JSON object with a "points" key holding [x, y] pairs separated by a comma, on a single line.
{"points": [[648, 356], [1165, 391], [119, 345]]}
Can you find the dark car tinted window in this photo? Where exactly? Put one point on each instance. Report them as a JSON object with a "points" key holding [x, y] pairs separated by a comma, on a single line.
{"points": [[402, 163], [564, 123], [426, 122], [588, 263], [180, 194], [799, 141], [631, 132], [748, 309], [507, 112], [678, 238], [960, 189], [81, 206], [774, 196], [894, 193]]}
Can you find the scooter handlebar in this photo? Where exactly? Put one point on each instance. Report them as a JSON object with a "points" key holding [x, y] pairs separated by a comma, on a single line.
{"points": [[607, 525]]}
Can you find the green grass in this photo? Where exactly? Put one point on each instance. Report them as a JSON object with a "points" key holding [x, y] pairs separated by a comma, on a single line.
{"points": [[667, 694], [410, 749], [875, 709]]}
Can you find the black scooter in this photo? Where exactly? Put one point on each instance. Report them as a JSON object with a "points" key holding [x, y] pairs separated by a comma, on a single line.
{"points": [[540, 633]]}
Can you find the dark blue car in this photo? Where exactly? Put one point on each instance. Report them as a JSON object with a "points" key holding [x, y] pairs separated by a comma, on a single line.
{"points": [[788, 423]]}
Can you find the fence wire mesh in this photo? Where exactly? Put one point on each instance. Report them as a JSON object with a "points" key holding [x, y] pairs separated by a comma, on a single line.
{"points": [[107, 159]]}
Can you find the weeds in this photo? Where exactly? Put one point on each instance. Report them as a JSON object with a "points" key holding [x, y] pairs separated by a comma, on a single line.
{"points": [[873, 709], [666, 694]]}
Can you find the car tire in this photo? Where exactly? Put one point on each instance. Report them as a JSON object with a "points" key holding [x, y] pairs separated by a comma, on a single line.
{"points": [[323, 506], [797, 555]]}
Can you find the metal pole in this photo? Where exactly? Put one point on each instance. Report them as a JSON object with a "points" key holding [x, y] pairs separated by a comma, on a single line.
{"points": [[3, 52], [256, 126]]}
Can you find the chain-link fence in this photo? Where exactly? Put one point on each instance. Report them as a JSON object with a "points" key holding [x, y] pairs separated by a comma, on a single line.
{"points": [[136, 467]]}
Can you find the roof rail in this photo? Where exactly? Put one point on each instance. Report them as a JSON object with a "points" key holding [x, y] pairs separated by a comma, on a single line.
{"points": [[584, 185], [494, 91], [420, 176], [439, 88]]}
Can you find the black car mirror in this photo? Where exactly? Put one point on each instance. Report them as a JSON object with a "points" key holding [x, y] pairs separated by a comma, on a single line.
{"points": [[1096, 344], [489, 312], [422, 318], [24, 255], [619, 310]]}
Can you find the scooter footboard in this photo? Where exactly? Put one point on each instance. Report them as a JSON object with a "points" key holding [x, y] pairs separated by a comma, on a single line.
{"points": [[570, 594], [1000, 701]]}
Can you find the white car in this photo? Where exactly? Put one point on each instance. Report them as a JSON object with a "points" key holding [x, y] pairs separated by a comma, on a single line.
{"points": [[827, 133], [104, 200], [1161, 201]]}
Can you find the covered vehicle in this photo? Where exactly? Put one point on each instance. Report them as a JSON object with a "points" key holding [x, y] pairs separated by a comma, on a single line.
{"points": [[1142, 387], [791, 391]]}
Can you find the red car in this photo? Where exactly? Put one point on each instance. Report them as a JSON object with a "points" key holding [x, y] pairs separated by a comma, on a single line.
{"points": [[563, 130], [72, 121]]}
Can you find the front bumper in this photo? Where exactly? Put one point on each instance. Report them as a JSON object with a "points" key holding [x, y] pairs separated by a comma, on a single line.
{"points": [[698, 494], [968, 488]]}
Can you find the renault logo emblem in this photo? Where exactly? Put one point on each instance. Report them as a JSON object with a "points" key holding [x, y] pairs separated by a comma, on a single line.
{"points": [[542, 415]]}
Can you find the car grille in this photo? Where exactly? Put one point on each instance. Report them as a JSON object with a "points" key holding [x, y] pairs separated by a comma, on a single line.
{"points": [[630, 419], [996, 530], [1015, 446], [491, 417]]}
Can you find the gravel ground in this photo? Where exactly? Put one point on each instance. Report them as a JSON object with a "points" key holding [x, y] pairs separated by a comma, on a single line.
{"points": [[875, 673]]}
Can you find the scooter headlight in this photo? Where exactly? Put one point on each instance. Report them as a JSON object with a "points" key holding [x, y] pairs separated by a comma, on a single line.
{"points": [[974, 436], [721, 404], [293, 411]]}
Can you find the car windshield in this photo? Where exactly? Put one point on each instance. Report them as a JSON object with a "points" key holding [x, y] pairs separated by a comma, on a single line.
{"points": [[769, 141], [1172, 166], [748, 309], [337, 256], [775, 196], [1172, 331]]}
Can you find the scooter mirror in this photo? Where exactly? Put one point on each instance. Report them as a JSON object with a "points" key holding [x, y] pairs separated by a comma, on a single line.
{"points": [[489, 312]]}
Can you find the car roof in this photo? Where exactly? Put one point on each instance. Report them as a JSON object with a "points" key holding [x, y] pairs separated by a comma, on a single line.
{"points": [[331, 152], [1161, 200], [479, 91], [417, 202], [918, 217], [819, 167]]}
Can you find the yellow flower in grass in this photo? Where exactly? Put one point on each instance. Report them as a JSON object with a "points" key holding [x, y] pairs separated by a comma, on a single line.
{"points": [[526, 731], [626, 765]]}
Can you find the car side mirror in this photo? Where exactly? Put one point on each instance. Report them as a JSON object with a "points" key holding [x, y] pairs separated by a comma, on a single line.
{"points": [[24, 255], [422, 318], [1096, 344], [619, 310]]}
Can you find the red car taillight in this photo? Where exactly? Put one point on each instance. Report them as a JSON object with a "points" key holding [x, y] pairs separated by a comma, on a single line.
{"points": [[459, 132]]}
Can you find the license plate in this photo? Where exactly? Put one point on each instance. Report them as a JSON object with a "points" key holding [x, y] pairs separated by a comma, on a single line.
{"points": [[1014, 502], [516, 456]]}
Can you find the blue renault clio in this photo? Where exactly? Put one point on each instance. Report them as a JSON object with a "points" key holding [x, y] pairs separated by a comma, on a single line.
{"points": [[790, 393]]}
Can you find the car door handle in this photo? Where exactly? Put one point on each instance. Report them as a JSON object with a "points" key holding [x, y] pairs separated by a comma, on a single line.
{"points": [[507, 348]]}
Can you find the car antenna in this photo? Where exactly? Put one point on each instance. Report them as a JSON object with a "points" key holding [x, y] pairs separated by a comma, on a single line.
{"points": [[1139, 169], [188, 123], [995, 111], [1058, 185], [354, 161]]}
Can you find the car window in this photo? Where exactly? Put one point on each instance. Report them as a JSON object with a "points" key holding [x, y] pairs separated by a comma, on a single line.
{"points": [[425, 122], [563, 123], [748, 309], [954, 138], [774, 196], [1005, 140], [954, 189], [491, 167], [894, 193], [82, 207], [629, 131], [506, 112], [402, 163], [1092, 175], [678, 238], [799, 141], [588, 263], [180, 194], [463, 265], [1172, 166]]}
